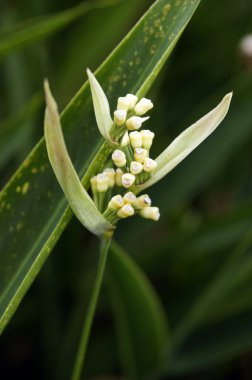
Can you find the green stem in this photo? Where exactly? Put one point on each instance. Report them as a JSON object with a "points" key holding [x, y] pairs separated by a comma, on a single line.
{"points": [[80, 357]]}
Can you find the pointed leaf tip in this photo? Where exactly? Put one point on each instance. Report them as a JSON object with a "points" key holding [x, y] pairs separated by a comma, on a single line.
{"points": [[187, 141], [78, 198], [101, 107]]}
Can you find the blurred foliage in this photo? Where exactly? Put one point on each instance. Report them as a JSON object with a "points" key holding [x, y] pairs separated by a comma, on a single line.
{"points": [[198, 257]]}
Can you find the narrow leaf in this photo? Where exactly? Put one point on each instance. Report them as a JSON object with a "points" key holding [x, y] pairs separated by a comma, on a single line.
{"points": [[140, 320], [39, 29], [101, 107], [187, 141], [79, 200]]}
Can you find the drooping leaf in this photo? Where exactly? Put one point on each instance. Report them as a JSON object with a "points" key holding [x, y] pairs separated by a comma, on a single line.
{"points": [[81, 203], [187, 141], [139, 317], [37, 30], [33, 190]]}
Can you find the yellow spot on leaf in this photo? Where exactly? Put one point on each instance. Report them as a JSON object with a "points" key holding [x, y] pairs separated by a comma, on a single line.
{"points": [[25, 187]]}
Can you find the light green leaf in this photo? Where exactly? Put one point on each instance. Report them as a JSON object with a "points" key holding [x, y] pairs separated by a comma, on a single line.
{"points": [[187, 141], [101, 107], [81, 203], [140, 320], [37, 30], [34, 190]]}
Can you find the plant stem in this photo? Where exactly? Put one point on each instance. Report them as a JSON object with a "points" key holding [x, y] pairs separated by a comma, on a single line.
{"points": [[80, 357]]}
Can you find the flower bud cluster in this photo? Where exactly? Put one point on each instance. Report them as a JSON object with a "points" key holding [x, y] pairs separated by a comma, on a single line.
{"points": [[133, 165]]}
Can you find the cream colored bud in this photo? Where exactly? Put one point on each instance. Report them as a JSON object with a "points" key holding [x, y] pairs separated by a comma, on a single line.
{"points": [[135, 139], [102, 183], [140, 155], [136, 167], [110, 173], [120, 117], [125, 140], [129, 197], [125, 211], [149, 165], [116, 202], [123, 103], [128, 180], [143, 106], [147, 138], [132, 99], [93, 182], [150, 213], [142, 201], [119, 158], [118, 177], [135, 122]]}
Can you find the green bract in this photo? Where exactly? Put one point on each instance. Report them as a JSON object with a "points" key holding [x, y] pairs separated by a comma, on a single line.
{"points": [[79, 200]]}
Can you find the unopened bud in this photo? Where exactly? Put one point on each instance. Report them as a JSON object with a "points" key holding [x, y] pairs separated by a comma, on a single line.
{"points": [[118, 177], [140, 154], [132, 99], [123, 103], [135, 139], [129, 197], [125, 211], [102, 183], [110, 172], [119, 158], [135, 122], [136, 167], [127, 180], [143, 106], [147, 138], [142, 201], [150, 213], [120, 117], [149, 165], [125, 140], [93, 182], [116, 202]]}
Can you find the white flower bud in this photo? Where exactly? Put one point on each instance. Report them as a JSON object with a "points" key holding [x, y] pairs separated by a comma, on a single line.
{"points": [[132, 99], [120, 117], [147, 138], [135, 139], [125, 140], [142, 201], [110, 172], [150, 213], [149, 165], [118, 177], [125, 211], [119, 158], [102, 183], [116, 202], [93, 182], [127, 180], [143, 106], [140, 154], [136, 167], [123, 103], [135, 122], [129, 197]]}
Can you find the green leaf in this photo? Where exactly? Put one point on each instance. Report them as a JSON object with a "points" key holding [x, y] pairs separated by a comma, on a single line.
{"points": [[187, 141], [139, 317], [33, 211], [37, 30], [81, 203], [101, 107]]}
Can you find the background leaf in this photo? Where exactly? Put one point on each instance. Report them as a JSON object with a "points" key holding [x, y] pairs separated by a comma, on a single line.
{"points": [[139, 317]]}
